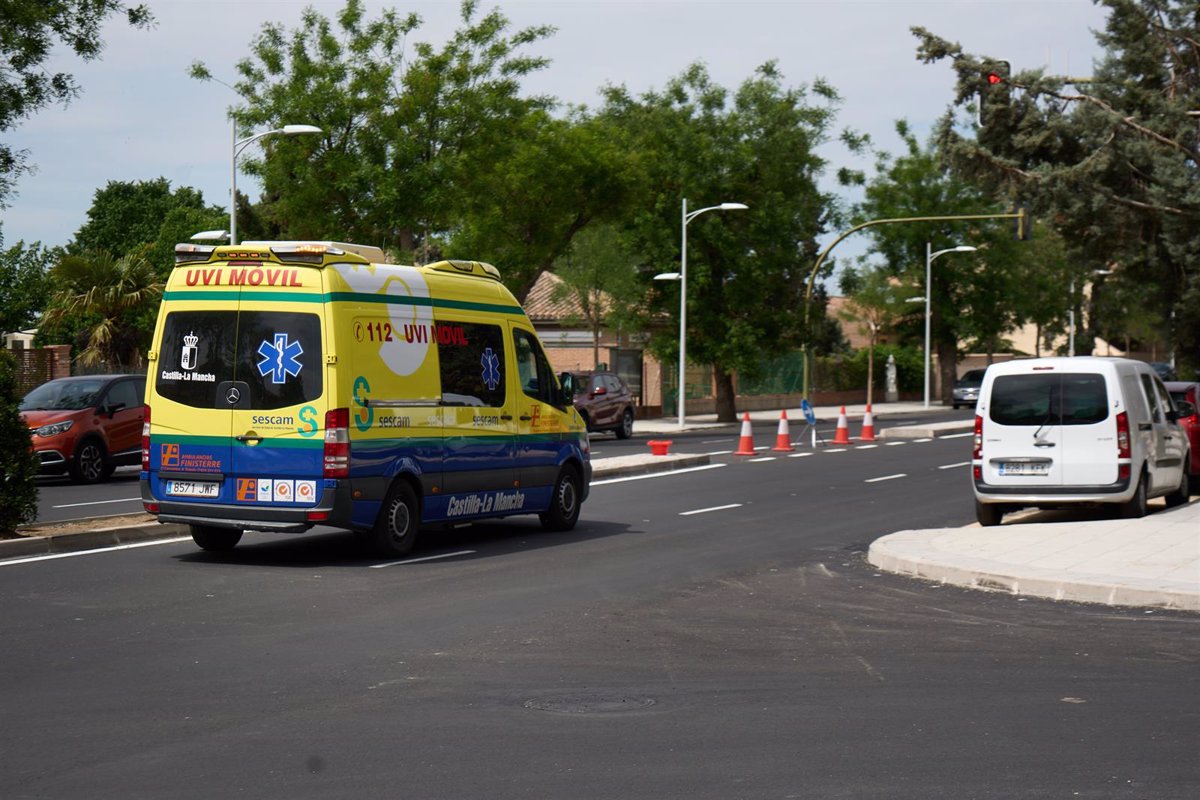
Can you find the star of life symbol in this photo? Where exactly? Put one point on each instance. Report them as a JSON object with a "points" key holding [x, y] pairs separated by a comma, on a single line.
{"points": [[491, 369], [279, 358], [187, 357]]}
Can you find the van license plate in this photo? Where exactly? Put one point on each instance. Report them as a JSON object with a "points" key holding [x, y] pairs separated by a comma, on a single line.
{"points": [[193, 488], [1023, 468]]}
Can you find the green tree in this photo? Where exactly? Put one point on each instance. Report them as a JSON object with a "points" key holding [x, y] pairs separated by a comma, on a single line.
{"points": [[600, 275], [24, 284], [756, 146], [973, 296], [404, 137], [115, 297], [18, 464], [1113, 155], [31, 31], [125, 215]]}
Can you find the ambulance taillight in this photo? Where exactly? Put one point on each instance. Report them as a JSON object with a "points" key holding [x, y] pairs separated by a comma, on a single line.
{"points": [[337, 443], [145, 438]]}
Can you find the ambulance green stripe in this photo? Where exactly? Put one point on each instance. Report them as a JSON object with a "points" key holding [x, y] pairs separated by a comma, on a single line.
{"points": [[338, 297], [226, 441]]}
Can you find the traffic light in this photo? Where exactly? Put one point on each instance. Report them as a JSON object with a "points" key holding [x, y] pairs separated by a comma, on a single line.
{"points": [[994, 90]]}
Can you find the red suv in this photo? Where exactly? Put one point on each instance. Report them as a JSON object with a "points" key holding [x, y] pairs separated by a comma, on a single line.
{"points": [[1189, 392], [87, 425], [604, 402]]}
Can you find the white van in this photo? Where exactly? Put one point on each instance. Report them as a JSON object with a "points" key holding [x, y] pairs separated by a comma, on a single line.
{"points": [[1058, 431]]}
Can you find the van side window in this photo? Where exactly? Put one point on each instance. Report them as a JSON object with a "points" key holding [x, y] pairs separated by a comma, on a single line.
{"points": [[1152, 398], [537, 378], [471, 362]]}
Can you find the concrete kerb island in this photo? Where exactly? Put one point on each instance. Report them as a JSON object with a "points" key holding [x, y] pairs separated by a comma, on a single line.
{"points": [[1149, 562], [48, 539]]}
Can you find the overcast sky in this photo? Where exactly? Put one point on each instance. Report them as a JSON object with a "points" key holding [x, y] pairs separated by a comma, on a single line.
{"points": [[141, 117]]}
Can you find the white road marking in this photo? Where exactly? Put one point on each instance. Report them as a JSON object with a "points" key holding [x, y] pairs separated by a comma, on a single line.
{"points": [[836, 450], [799, 455], [765, 458], [887, 478], [896, 444], [955, 466], [426, 558], [719, 453], [706, 510], [957, 435], [866, 447], [114, 548], [656, 474], [101, 502], [918, 441]]}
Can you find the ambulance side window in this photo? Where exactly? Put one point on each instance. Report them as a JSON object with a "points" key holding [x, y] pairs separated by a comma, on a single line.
{"points": [[471, 362], [533, 368]]}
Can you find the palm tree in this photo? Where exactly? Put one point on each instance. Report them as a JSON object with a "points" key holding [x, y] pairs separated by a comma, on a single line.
{"points": [[117, 299]]}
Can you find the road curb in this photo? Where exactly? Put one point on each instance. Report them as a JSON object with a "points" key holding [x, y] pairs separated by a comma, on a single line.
{"points": [[49, 543], [909, 553]]}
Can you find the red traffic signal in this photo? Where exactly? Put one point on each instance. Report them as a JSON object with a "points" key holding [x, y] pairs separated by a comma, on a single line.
{"points": [[994, 77]]}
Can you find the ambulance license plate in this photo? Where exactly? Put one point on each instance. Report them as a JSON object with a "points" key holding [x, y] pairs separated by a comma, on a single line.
{"points": [[193, 488], [1025, 468]]}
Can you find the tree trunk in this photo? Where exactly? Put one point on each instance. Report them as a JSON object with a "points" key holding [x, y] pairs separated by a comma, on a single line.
{"points": [[726, 399]]}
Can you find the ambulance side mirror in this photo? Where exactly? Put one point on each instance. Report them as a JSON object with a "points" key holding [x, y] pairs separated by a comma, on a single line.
{"points": [[566, 388]]}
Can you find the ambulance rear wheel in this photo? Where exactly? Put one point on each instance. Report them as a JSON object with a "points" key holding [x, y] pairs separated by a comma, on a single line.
{"points": [[215, 540], [564, 505], [396, 529]]}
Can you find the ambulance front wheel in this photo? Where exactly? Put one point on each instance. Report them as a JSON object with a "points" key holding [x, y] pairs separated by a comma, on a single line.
{"points": [[399, 519], [564, 505], [215, 540]]}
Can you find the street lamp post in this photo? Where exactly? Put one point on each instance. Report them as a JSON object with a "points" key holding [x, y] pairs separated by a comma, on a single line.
{"points": [[681, 276], [238, 146], [929, 257]]}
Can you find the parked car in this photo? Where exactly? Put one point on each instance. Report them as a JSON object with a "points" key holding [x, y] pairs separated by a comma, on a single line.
{"points": [[1053, 432], [1164, 370], [966, 388], [604, 402], [87, 425], [1189, 392]]}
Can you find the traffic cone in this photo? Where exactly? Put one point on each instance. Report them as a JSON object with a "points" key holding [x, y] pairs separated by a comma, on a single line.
{"points": [[746, 442], [868, 429], [842, 435], [783, 440]]}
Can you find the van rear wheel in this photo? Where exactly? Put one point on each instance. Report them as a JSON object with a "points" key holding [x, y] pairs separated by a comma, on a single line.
{"points": [[1181, 493], [399, 520], [989, 514], [1135, 507], [564, 504], [215, 540]]}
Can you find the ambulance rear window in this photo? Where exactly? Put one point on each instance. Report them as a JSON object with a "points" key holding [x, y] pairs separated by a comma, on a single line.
{"points": [[274, 354]]}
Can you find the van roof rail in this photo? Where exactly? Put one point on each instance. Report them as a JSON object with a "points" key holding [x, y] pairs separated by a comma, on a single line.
{"points": [[479, 269]]}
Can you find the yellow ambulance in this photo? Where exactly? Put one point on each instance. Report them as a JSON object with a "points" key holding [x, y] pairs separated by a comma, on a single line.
{"points": [[295, 384]]}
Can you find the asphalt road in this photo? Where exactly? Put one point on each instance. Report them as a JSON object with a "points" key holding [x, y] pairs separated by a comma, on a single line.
{"points": [[710, 634]]}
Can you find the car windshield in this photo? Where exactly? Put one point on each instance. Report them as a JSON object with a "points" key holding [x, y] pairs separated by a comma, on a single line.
{"points": [[63, 396], [972, 377], [582, 382]]}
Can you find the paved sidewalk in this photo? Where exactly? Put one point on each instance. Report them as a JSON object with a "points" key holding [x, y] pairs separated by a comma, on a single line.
{"points": [[1152, 561]]}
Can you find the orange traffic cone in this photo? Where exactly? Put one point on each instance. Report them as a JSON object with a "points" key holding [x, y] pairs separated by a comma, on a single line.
{"points": [[868, 429], [842, 435], [746, 442], [783, 440]]}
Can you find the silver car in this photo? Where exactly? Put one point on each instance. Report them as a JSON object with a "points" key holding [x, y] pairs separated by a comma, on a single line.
{"points": [[966, 389]]}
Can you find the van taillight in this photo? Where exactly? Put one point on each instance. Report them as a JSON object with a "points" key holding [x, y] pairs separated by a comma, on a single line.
{"points": [[977, 453], [145, 438], [1123, 435], [337, 443]]}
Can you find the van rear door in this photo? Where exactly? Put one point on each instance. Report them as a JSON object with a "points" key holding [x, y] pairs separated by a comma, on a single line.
{"points": [[1049, 428]]}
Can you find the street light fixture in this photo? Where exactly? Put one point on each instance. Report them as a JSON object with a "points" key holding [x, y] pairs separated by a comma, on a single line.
{"points": [[238, 146], [929, 257], [681, 276]]}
